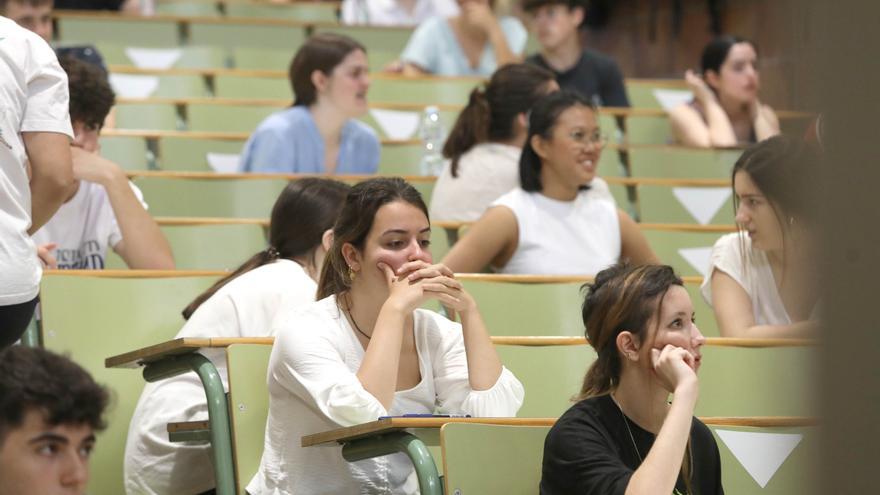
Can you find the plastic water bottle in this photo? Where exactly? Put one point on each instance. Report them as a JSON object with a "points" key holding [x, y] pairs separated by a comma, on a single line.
{"points": [[432, 133]]}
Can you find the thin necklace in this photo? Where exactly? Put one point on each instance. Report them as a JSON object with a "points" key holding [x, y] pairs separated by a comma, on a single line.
{"points": [[628, 430], [351, 317], [633, 440]]}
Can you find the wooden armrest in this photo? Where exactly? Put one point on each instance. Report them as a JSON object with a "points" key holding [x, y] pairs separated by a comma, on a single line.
{"points": [[176, 347]]}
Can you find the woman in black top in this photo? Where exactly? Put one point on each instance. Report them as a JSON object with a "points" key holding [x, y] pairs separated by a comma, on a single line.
{"points": [[624, 436]]}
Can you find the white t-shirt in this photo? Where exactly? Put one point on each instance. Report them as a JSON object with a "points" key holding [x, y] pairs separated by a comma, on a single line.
{"points": [[245, 307], [313, 387], [83, 228], [390, 12], [33, 98], [755, 276], [580, 237], [485, 173]]}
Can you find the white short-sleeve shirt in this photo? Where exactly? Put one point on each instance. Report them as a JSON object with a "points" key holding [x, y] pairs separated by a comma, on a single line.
{"points": [[83, 228], [579, 237], [391, 13], [33, 98], [733, 254], [245, 307], [313, 387]]}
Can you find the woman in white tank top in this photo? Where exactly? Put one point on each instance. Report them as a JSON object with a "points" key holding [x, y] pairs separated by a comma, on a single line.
{"points": [[554, 223]]}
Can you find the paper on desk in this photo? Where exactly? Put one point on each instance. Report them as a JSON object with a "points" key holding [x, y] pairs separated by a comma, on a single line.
{"points": [[131, 86], [224, 163], [698, 258], [702, 203], [153, 58], [396, 124], [671, 98], [762, 454]]}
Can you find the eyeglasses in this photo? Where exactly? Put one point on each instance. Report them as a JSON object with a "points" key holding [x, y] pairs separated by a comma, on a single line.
{"points": [[596, 138]]}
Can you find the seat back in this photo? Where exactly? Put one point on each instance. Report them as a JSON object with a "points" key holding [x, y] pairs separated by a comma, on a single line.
{"points": [[551, 375], [480, 458], [92, 318], [249, 407]]}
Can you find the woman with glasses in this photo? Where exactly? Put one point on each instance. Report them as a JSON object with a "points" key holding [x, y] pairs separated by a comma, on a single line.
{"points": [[555, 223]]}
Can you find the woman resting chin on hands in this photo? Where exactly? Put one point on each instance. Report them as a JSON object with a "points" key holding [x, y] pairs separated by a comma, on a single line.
{"points": [[366, 350]]}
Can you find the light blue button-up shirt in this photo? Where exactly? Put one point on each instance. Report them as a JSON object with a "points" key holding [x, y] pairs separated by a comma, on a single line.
{"points": [[289, 142]]}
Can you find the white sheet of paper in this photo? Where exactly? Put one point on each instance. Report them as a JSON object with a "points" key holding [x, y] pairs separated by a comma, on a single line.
{"points": [[702, 203], [671, 98], [396, 124], [760, 453], [698, 258], [224, 163], [153, 58], [131, 86]]}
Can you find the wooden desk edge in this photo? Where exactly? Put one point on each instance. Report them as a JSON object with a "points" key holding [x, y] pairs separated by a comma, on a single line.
{"points": [[175, 347], [388, 425]]}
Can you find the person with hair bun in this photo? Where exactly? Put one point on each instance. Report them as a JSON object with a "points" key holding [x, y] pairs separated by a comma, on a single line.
{"points": [[485, 143], [365, 350], [319, 134], [242, 304], [761, 280], [623, 435], [725, 110], [556, 222]]}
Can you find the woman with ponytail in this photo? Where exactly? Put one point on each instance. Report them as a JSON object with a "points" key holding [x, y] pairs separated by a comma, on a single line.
{"points": [[561, 220], [242, 304], [366, 350], [624, 436], [484, 146]]}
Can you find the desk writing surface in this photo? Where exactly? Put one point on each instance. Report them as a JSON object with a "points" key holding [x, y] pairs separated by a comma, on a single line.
{"points": [[174, 347], [388, 425]]}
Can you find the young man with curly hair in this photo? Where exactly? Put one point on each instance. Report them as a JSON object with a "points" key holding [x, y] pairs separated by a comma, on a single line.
{"points": [[106, 210], [50, 409]]}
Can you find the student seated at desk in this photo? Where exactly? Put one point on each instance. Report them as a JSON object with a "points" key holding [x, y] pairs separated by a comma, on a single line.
{"points": [[319, 134], [484, 146], [473, 43], [105, 209], [623, 436], [725, 110], [762, 280], [556, 222], [366, 350], [242, 304]]}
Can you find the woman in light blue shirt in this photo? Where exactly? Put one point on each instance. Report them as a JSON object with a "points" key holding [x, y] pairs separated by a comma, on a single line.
{"points": [[473, 43], [318, 134]]}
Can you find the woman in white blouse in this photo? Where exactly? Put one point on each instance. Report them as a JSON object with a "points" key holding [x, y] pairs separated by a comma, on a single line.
{"points": [[242, 304], [760, 281], [365, 350], [556, 222]]}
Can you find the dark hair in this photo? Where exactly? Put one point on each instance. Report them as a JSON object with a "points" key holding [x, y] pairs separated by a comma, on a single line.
{"points": [[321, 52], [30, 3], [354, 224], [34, 379], [784, 170], [304, 210], [491, 111], [542, 119], [91, 96], [533, 5], [716, 51]]}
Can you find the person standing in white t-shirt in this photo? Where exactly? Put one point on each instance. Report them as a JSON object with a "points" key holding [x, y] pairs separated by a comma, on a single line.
{"points": [[762, 281], [555, 223], [106, 209], [242, 304], [34, 127]]}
